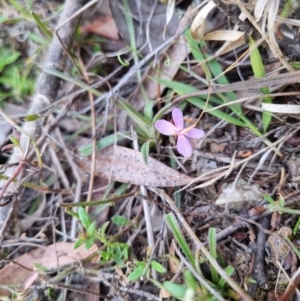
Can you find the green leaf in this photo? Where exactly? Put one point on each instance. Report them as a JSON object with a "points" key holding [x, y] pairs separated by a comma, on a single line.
{"points": [[190, 280], [162, 112], [268, 198], [277, 208], [41, 25], [140, 120], [40, 267], [136, 273], [103, 228], [296, 228], [145, 149], [229, 271], [251, 280], [119, 220], [32, 117], [7, 57], [91, 229], [281, 201], [89, 242], [176, 230], [212, 238], [259, 72], [79, 242], [84, 217], [157, 267], [176, 290], [15, 141], [148, 109]]}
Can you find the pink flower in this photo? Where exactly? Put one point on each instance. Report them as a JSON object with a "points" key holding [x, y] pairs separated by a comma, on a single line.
{"points": [[184, 146]]}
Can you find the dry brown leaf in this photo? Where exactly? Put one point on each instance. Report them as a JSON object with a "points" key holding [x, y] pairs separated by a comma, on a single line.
{"points": [[199, 23], [125, 165], [173, 260], [259, 9], [170, 12], [230, 45], [51, 256], [224, 35]]}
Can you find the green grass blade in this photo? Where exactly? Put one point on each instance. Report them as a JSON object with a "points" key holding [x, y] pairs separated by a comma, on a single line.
{"points": [[182, 89], [176, 230], [259, 72], [212, 239], [142, 121], [41, 25], [229, 271]]}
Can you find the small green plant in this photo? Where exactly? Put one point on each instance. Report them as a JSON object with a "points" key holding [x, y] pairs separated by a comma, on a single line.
{"points": [[143, 268], [279, 205], [111, 250], [14, 79]]}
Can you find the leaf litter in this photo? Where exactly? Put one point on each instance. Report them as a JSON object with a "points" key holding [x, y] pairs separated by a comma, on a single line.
{"points": [[245, 248]]}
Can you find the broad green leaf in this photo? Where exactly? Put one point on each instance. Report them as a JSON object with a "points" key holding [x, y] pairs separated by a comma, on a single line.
{"points": [[157, 267], [190, 280], [91, 229], [78, 243], [7, 57], [119, 220], [268, 198], [84, 217], [176, 290], [89, 242], [136, 273]]}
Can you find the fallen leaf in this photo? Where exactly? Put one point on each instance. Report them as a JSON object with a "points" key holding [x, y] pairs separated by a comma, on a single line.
{"points": [[125, 165], [51, 256], [103, 26], [198, 26]]}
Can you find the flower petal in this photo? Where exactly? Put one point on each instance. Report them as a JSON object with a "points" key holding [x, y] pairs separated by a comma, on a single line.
{"points": [[177, 118], [165, 127], [195, 133], [184, 146]]}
